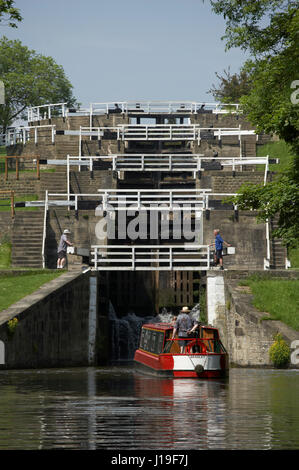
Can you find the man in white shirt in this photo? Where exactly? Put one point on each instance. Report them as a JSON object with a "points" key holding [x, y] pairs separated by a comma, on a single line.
{"points": [[62, 247]]}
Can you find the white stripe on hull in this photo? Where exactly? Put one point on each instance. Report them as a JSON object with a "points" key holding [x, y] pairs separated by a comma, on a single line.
{"points": [[189, 362]]}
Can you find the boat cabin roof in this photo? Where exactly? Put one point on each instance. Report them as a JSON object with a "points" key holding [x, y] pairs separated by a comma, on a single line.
{"points": [[169, 326]]}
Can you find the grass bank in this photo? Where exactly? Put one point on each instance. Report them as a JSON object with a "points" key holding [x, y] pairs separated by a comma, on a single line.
{"points": [[14, 287], [293, 255], [275, 150], [278, 297], [5, 203], [5, 255]]}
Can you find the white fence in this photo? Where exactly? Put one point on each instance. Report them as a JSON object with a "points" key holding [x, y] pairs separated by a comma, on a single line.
{"points": [[150, 257], [24, 134], [163, 107], [47, 111], [137, 199], [147, 132], [161, 162]]}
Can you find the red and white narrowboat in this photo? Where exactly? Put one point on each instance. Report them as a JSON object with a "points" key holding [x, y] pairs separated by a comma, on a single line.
{"points": [[204, 355]]}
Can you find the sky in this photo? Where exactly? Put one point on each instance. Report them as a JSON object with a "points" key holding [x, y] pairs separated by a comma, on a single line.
{"points": [[129, 49]]}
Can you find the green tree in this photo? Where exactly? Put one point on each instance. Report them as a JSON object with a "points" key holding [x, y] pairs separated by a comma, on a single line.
{"points": [[9, 15], [277, 198], [231, 87], [30, 79], [269, 30]]}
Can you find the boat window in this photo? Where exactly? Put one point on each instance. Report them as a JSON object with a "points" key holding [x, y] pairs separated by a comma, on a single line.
{"points": [[152, 340], [141, 344], [145, 339], [160, 342]]}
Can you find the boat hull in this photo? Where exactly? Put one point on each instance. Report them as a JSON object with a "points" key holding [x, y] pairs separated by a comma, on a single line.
{"points": [[210, 365]]}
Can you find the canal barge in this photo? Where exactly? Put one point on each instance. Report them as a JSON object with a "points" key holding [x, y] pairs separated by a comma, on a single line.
{"points": [[204, 355]]}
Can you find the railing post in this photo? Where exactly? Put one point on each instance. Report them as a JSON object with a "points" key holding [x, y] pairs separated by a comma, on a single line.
{"points": [[17, 168], [6, 169], [12, 202], [76, 206], [37, 167], [266, 170], [68, 176], [95, 258], [133, 258], [90, 118], [80, 141], [45, 228]]}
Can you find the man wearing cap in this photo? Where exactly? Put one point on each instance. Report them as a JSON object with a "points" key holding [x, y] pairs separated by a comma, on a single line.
{"points": [[62, 249], [184, 325]]}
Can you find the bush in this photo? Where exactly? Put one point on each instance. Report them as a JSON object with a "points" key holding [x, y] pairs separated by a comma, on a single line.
{"points": [[279, 352]]}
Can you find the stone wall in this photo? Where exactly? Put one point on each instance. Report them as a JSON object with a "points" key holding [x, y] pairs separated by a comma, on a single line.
{"points": [[6, 224], [54, 327], [245, 234], [244, 332]]}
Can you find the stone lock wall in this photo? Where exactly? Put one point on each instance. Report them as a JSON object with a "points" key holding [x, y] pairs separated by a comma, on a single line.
{"points": [[62, 324], [243, 330]]}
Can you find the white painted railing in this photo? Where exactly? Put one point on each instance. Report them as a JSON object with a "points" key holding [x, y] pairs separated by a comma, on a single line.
{"points": [[160, 162], [135, 199], [150, 257], [46, 111], [45, 229], [160, 132], [165, 107], [27, 133], [153, 199]]}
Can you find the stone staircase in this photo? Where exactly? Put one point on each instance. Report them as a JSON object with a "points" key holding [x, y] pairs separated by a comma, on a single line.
{"points": [[278, 252], [53, 182], [249, 146], [27, 236]]}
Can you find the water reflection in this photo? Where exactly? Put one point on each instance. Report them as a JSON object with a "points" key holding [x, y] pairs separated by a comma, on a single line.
{"points": [[116, 408]]}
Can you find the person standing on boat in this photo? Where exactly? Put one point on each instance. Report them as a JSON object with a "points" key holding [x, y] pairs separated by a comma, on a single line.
{"points": [[218, 256], [183, 325]]}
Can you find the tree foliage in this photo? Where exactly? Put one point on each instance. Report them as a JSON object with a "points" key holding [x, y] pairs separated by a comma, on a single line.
{"points": [[231, 87], [277, 198], [269, 31], [9, 14], [30, 79]]}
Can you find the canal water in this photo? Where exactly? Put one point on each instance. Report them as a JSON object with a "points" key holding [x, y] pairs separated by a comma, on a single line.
{"points": [[117, 408]]}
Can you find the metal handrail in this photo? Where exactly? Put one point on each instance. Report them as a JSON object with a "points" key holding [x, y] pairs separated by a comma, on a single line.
{"points": [[45, 229], [22, 134], [37, 113], [151, 255], [34, 113]]}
